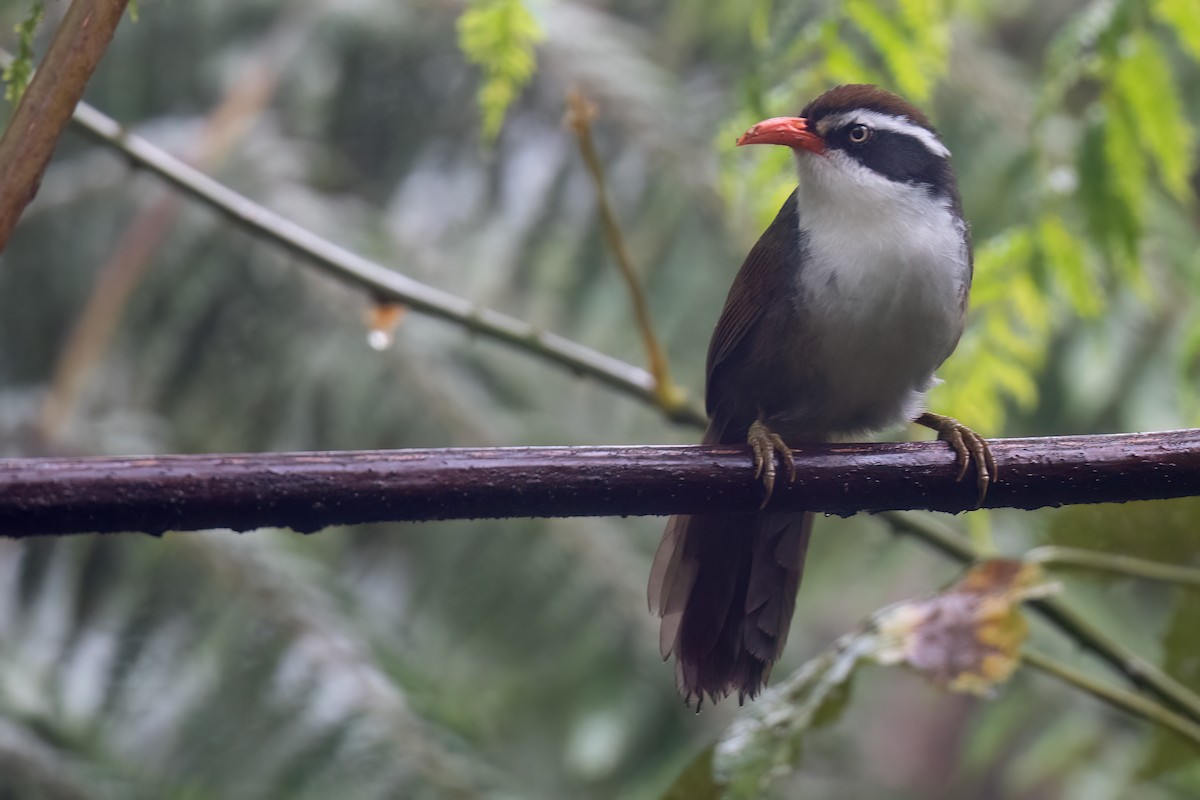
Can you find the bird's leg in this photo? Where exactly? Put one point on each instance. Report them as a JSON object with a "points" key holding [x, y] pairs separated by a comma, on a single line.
{"points": [[968, 446], [766, 443]]}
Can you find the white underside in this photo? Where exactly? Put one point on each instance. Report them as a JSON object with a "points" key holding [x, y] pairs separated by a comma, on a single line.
{"points": [[884, 288]]}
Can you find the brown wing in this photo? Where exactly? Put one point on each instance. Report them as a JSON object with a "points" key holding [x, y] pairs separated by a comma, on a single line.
{"points": [[758, 283], [725, 584]]}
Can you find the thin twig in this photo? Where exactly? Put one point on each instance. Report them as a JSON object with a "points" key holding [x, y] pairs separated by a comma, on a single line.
{"points": [[1055, 556], [579, 118], [1139, 672], [46, 106], [1128, 701]]}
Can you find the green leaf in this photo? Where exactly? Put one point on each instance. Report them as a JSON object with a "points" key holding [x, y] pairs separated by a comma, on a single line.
{"points": [[841, 64], [764, 743], [907, 62], [926, 23], [1014, 382], [1027, 302], [1070, 53], [499, 36], [697, 781], [1111, 221], [1005, 343], [18, 73], [1125, 161], [1067, 261], [995, 260], [1182, 17], [1150, 115]]}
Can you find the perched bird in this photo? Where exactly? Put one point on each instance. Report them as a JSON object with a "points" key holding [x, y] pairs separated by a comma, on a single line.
{"points": [[833, 328]]}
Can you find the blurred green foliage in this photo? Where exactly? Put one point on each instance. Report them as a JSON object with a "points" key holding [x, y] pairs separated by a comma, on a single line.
{"points": [[20, 70], [516, 659], [499, 36]]}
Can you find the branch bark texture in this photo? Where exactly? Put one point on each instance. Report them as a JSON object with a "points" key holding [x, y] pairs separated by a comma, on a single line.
{"points": [[48, 102], [309, 491]]}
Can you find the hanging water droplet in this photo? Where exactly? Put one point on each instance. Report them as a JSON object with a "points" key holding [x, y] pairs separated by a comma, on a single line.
{"points": [[382, 320], [380, 339]]}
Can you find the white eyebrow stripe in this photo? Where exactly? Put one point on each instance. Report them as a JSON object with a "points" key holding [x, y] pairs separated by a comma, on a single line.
{"points": [[886, 122]]}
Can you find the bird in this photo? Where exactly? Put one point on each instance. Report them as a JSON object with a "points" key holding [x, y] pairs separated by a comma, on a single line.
{"points": [[833, 328]]}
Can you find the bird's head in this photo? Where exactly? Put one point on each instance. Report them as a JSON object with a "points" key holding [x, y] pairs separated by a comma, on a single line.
{"points": [[857, 144]]}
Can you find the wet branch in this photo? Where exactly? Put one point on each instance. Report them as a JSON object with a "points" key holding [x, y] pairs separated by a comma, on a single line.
{"points": [[309, 491]]}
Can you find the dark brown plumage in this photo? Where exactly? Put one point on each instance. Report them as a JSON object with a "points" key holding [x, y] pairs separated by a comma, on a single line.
{"points": [[865, 96]]}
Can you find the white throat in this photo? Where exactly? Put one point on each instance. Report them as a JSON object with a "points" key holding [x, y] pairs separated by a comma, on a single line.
{"points": [[872, 234], [884, 282]]}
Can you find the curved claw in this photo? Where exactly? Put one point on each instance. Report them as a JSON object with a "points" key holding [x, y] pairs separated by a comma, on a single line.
{"points": [[969, 447], [766, 443]]}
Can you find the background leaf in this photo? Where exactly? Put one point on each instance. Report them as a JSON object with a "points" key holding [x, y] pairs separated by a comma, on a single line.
{"points": [[1148, 116], [499, 36]]}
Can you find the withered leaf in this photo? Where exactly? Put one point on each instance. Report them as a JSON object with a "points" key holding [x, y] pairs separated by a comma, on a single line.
{"points": [[968, 636]]}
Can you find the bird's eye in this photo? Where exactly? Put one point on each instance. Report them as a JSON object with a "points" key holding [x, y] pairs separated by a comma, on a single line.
{"points": [[859, 134]]}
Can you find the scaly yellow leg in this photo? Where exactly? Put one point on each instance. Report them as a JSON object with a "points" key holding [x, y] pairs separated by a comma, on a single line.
{"points": [[766, 443], [968, 447]]}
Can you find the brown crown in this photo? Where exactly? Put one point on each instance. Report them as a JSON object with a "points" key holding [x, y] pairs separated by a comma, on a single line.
{"points": [[852, 96]]}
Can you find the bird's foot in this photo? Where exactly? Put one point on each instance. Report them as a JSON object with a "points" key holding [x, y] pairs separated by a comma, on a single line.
{"points": [[968, 447], [766, 443]]}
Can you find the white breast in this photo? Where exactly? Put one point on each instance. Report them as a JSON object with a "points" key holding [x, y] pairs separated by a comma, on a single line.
{"points": [[881, 291]]}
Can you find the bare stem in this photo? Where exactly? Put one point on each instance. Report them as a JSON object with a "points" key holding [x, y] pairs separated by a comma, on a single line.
{"points": [[579, 117], [46, 106], [1123, 699], [1055, 556]]}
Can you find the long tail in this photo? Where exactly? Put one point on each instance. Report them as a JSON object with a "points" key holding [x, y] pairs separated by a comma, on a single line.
{"points": [[725, 586]]}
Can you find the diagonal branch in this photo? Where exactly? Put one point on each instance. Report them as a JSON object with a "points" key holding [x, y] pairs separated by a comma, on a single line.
{"points": [[1057, 557], [1127, 701], [379, 281], [45, 107]]}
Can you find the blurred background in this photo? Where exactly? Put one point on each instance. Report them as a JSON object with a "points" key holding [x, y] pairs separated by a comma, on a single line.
{"points": [[516, 658]]}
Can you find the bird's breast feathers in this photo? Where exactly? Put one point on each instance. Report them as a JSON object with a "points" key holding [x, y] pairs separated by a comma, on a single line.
{"points": [[884, 276]]}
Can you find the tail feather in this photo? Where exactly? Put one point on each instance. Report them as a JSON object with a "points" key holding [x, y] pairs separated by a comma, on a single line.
{"points": [[781, 542], [725, 586], [670, 584]]}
